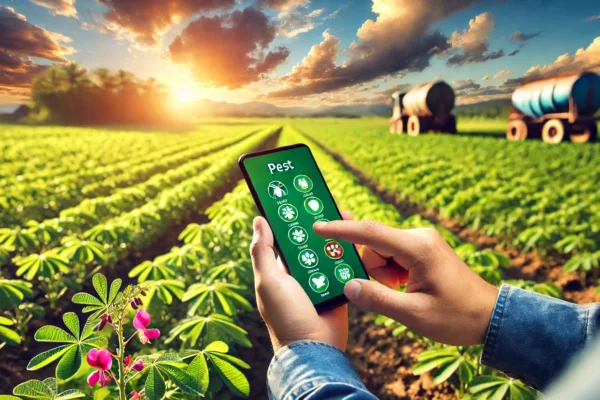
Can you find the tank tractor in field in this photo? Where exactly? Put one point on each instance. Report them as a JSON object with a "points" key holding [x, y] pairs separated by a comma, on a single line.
{"points": [[426, 107], [556, 109]]}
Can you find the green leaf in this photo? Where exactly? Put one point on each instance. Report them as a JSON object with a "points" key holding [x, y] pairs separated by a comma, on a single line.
{"points": [[198, 369], [181, 378], [70, 363], [99, 282], [33, 389], [114, 290], [155, 385], [86, 299], [234, 379], [219, 347], [9, 336], [72, 394], [445, 371], [47, 357], [72, 322], [53, 334]]}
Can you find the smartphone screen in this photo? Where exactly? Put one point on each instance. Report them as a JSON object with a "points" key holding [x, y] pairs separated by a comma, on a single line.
{"points": [[292, 195]]}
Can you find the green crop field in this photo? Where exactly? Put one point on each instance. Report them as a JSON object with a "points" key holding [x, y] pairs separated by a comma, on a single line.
{"points": [[96, 222]]}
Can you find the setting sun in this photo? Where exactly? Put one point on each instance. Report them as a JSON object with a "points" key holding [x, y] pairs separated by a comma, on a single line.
{"points": [[185, 94]]}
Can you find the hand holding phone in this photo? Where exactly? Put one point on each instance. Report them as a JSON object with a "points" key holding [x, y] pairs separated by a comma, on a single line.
{"points": [[292, 195]]}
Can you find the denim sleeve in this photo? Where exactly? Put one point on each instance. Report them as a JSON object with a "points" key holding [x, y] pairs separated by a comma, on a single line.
{"points": [[311, 370], [533, 337]]}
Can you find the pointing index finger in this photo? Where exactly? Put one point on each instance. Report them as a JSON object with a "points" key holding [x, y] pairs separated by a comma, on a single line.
{"points": [[386, 241]]}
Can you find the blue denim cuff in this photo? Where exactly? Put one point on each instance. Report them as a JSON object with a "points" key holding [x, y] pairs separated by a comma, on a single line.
{"points": [[533, 337], [305, 367]]}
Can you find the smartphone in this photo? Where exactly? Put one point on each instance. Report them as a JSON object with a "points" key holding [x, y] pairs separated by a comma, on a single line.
{"points": [[290, 192]]}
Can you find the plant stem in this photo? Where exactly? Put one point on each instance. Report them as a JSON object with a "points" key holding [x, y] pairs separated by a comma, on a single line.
{"points": [[122, 394]]}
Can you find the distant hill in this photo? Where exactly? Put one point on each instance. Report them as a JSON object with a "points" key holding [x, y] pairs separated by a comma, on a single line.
{"points": [[499, 108], [209, 108]]}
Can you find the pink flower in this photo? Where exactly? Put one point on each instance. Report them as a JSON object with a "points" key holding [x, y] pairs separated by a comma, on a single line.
{"points": [[102, 360], [138, 366], [135, 395], [127, 360], [140, 322]]}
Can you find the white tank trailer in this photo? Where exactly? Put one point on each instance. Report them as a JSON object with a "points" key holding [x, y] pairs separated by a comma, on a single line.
{"points": [[556, 109], [426, 107]]}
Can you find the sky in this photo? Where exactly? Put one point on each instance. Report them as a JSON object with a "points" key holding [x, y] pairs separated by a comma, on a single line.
{"points": [[301, 52]]}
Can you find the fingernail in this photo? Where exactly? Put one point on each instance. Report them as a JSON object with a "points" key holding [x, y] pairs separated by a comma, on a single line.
{"points": [[319, 224], [352, 290]]}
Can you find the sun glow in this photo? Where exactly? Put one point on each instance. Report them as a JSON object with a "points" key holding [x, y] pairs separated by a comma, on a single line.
{"points": [[185, 94]]}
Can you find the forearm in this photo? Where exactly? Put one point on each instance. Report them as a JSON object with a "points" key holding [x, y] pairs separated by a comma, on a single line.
{"points": [[313, 370], [533, 337]]}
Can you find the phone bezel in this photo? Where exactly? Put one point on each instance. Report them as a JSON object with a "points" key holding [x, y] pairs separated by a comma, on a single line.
{"points": [[328, 304]]}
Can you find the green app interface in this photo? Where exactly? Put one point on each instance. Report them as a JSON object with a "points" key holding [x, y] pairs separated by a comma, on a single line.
{"points": [[294, 196]]}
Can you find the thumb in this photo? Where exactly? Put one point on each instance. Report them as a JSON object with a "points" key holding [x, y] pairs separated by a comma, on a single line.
{"points": [[261, 249], [375, 297]]}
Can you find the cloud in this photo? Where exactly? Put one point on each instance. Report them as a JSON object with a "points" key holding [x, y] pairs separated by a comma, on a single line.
{"points": [[592, 18], [295, 22], [464, 84], [398, 41], [319, 63], [16, 74], [469, 92], [583, 59], [145, 21], [486, 78], [59, 7], [502, 73], [19, 41], [283, 5], [19, 37], [472, 44], [521, 37], [229, 50], [514, 53]]}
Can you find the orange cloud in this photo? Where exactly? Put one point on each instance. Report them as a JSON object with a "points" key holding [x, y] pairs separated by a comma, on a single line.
{"points": [[147, 20], [473, 42], [229, 50], [59, 7], [22, 38], [19, 41]]}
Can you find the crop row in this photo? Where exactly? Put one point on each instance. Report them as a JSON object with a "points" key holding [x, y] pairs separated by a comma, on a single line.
{"points": [[130, 218], [443, 361], [36, 201], [535, 197], [110, 155], [196, 294], [28, 156]]}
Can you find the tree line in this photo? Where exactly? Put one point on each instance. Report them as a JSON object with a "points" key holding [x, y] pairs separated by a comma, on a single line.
{"points": [[70, 94]]}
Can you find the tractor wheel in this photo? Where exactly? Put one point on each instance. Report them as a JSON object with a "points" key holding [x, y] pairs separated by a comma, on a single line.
{"points": [[584, 133], [450, 125], [396, 126], [517, 130], [415, 126], [554, 131]]}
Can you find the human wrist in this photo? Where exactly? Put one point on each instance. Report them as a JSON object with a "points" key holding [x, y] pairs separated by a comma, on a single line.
{"points": [[488, 305]]}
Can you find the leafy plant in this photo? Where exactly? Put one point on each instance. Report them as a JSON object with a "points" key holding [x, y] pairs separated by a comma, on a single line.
{"points": [[45, 390], [500, 387], [216, 297], [74, 345]]}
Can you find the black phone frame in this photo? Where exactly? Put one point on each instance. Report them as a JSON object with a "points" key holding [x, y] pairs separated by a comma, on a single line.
{"points": [[327, 304]]}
